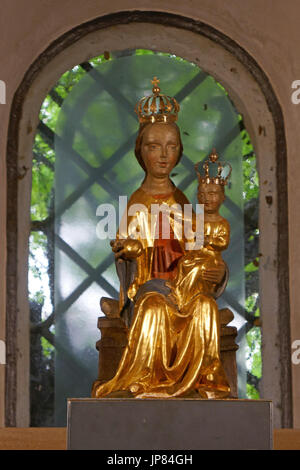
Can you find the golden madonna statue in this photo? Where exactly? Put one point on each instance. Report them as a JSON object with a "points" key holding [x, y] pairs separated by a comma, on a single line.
{"points": [[167, 288]]}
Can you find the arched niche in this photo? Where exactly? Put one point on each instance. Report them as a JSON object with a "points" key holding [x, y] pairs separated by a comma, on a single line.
{"points": [[254, 98]]}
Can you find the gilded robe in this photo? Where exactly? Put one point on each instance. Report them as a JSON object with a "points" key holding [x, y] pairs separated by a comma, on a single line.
{"points": [[173, 345]]}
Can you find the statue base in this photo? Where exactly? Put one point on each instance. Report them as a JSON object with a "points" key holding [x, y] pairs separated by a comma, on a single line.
{"points": [[173, 424]]}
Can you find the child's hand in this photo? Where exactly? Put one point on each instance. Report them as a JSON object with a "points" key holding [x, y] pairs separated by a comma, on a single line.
{"points": [[214, 275]]}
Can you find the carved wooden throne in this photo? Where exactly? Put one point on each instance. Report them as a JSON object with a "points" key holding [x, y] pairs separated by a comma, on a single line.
{"points": [[114, 340]]}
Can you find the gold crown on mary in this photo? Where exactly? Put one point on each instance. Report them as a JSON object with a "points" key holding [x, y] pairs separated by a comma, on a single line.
{"points": [[157, 107], [212, 171]]}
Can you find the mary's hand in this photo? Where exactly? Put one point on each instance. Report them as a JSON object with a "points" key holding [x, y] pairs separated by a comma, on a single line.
{"points": [[126, 248], [215, 274], [118, 248]]}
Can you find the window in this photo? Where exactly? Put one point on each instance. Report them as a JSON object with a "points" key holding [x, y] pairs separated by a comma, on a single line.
{"points": [[83, 156]]}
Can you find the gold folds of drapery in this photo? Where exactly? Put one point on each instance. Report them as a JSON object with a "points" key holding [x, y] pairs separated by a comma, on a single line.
{"points": [[189, 281], [171, 353], [140, 224], [173, 345]]}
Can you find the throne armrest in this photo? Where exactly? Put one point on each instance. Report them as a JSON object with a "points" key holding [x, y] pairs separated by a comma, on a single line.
{"points": [[226, 316]]}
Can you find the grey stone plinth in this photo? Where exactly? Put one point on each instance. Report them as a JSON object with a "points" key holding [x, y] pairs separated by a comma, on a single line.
{"points": [[175, 424]]}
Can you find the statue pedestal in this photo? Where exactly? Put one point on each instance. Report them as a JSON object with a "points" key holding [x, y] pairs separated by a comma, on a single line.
{"points": [[174, 424]]}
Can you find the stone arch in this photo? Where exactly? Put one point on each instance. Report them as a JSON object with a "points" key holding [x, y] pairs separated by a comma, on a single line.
{"points": [[253, 96]]}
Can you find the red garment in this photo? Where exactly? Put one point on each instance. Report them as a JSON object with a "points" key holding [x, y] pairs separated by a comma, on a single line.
{"points": [[166, 254]]}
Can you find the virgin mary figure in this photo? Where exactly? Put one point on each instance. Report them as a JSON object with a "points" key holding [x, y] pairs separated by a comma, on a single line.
{"points": [[173, 347]]}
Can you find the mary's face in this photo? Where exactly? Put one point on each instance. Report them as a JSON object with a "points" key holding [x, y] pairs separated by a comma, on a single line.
{"points": [[160, 149]]}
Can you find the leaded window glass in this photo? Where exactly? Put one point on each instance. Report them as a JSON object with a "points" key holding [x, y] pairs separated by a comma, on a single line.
{"points": [[82, 157]]}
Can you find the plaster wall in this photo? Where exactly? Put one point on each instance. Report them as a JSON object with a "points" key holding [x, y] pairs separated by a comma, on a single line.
{"points": [[268, 30]]}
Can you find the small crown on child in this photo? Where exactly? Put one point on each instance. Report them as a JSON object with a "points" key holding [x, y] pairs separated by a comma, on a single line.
{"points": [[157, 107], [223, 170]]}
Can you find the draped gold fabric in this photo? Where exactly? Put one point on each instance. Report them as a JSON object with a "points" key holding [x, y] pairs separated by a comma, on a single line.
{"points": [[140, 226], [174, 341], [189, 281]]}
